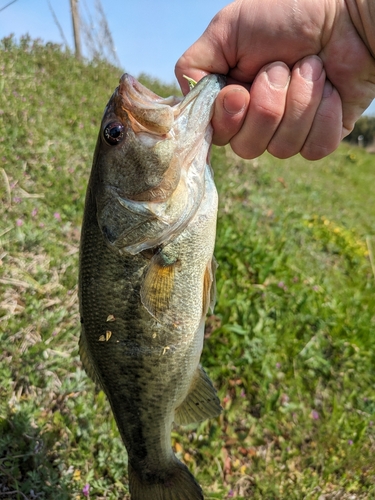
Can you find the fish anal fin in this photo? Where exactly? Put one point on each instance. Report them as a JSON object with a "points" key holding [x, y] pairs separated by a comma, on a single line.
{"points": [[158, 284], [201, 402]]}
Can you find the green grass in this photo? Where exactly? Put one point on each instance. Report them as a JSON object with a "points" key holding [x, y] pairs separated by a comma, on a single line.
{"points": [[290, 346]]}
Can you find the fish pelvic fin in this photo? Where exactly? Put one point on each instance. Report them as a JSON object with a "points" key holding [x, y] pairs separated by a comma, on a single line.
{"points": [[177, 483], [201, 402]]}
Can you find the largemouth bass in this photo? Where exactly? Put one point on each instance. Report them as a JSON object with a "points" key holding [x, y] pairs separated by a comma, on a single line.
{"points": [[147, 275]]}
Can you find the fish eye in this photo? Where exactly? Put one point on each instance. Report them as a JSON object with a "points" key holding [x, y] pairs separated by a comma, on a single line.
{"points": [[114, 133]]}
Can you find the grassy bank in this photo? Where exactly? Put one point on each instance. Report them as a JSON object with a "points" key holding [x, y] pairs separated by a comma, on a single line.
{"points": [[290, 346]]}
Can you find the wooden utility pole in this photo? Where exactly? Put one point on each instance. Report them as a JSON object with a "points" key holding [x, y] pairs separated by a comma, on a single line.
{"points": [[76, 28]]}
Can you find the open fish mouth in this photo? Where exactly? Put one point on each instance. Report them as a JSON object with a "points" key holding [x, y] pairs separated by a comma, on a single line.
{"points": [[153, 114], [147, 111]]}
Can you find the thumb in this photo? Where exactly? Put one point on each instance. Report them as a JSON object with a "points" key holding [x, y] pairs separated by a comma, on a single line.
{"points": [[229, 113], [205, 56]]}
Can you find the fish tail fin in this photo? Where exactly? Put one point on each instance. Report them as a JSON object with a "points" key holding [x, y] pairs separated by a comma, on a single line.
{"points": [[177, 483]]}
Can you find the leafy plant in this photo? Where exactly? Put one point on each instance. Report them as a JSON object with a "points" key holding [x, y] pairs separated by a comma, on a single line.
{"points": [[290, 345]]}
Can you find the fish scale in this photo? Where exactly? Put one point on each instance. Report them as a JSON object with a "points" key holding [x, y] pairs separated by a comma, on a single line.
{"points": [[147, 276]]}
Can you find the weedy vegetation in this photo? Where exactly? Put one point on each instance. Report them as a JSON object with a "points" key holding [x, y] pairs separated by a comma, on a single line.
{"points": [[290, 346]]}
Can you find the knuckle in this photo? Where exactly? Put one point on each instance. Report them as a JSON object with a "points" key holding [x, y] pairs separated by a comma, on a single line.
{"points": [[246, 150], [270, 114], [314, 150], [282, 150]]}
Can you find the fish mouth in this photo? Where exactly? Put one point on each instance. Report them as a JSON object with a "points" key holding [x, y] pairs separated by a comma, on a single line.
{"points": [[155, 115], [146, 111], [183, 123]]}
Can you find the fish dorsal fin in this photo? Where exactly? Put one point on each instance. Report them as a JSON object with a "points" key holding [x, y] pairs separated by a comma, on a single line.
{"points": [[209, 287], [86, 360], [201, 402], [158, 284]]}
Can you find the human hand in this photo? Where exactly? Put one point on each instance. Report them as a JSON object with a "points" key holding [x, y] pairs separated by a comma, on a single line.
{"points": [[310, 65]]}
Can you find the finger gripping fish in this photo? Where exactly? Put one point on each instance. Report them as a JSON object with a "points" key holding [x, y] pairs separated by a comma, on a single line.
{"points": [[147, 275]]}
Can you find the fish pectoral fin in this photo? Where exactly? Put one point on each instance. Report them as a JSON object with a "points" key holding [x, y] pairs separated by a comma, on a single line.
{"points": [[201, 402], [158, 284], [86, 360], [209, 287]]}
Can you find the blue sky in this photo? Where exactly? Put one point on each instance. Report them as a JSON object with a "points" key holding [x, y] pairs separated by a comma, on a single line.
{"points": [[149, 35]]}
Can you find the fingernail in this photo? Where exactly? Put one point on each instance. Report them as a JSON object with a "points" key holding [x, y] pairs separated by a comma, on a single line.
{"points": [[234, 101], [278, 75], [328, 89], [311, 68]]}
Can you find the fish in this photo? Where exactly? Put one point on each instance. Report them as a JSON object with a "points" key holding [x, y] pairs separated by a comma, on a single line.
{"points": [[147, 275]]}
